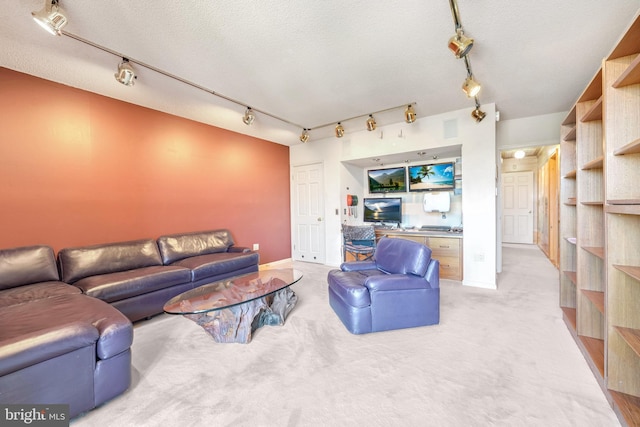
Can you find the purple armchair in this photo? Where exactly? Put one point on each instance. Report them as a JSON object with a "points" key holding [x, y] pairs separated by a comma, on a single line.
{"points": [[399, 288]]}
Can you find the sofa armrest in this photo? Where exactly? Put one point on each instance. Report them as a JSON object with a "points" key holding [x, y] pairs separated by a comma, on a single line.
{"points": [[39, 346], [358, 265], [238, 249], [395, 282]]}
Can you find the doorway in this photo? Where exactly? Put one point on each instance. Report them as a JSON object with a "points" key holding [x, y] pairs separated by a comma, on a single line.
{"points": [[308, 231], [517, 207]]}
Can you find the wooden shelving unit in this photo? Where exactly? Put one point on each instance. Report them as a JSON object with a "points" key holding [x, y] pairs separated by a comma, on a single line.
{"points": [[606, 223]]}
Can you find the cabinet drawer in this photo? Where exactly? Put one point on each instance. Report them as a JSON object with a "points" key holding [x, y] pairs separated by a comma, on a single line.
{"points": [[448, 262], [442, 246]]}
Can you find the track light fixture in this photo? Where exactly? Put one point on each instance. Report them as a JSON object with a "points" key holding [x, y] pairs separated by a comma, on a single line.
{"points": [[471, 87], [304, 136], [125, 74], [478, 114], [371, 123], [409, 114], [248, 117], [52, 18], [339, 130], [460, 44]]}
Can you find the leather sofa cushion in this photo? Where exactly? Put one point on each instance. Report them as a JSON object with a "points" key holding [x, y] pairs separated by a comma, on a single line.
{"points": [[400, 256], [215, 264], [80, 262], [27, 265], [349, 286], [175, 247], [39, 346], [126, 284], [26, 293], [114, 329]]}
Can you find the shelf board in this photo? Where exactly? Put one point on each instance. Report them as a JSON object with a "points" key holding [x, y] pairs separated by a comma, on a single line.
{"points": [[594, 113], [570, 203], [630, 76], [571, 117], [596, 297], [595, 349], [622, 209], [624, 202], [628, 406], [572, 240], [631, 148], [593, 203], [631, 337], [570, 174], [572, 276], [570, 316], [595, 250], [593, 164], [594, 90], [571, 135], [629, 270]]}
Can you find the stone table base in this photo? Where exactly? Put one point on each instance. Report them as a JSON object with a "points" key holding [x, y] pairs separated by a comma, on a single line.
{"points": [[237, 323]]}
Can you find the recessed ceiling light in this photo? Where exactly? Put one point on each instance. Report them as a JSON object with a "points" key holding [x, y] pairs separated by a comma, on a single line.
{"points": [[519, 154]]}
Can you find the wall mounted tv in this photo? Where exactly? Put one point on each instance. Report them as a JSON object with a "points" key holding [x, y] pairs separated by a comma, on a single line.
{"points": [[388, 209], [432, 177], [390, 180]]}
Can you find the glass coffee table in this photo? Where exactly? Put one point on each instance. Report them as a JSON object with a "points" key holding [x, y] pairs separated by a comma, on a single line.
{"points": [[232, 309]]}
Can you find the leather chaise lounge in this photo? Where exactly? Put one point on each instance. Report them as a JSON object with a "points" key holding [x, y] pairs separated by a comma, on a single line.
{"points": [[399, 288], [57, 345], [65, 323]]}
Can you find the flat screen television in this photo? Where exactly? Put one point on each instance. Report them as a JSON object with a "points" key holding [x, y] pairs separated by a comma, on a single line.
{"points": [[390, 180], [432, 177], [387, 209]]}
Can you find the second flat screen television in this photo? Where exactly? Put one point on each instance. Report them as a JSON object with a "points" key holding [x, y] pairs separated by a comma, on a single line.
{"points": [[388, 209], [432, 177]]}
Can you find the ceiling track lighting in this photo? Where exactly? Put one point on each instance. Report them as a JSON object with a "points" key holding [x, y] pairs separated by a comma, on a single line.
{"points": [[461, 45], [125, 73], [248, 117], [371, 123], [304, 136], [52, 18]]}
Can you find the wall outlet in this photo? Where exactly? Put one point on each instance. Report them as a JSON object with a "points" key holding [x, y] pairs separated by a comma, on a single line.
{"points": [[256, 246]]}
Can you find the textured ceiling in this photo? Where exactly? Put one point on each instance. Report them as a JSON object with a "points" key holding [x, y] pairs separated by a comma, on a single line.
{"points": [[313, 63]]}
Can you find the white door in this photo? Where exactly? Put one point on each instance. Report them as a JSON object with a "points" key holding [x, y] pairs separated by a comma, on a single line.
{"points": [[517, 207], [308, 221]]}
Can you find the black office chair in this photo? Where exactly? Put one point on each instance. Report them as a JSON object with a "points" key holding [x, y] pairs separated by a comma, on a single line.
{"points": [[359, 241]]}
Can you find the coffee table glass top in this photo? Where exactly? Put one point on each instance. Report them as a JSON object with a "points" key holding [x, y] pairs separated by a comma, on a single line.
{"points": [[233, 291]]}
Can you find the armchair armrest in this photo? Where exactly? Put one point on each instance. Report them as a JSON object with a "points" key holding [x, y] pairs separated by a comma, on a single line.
{"points": [[39, 346], [394, 282], [358, 265]]}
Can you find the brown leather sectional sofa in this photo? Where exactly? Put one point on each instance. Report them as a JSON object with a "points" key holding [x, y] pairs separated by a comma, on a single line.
{"points": [[65, 323]]}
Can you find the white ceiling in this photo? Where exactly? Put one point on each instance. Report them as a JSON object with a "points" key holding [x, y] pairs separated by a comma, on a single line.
{"points": [[313, 63]]}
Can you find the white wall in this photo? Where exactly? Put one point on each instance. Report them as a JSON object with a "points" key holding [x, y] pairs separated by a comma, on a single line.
{"points": [[478, 178]]}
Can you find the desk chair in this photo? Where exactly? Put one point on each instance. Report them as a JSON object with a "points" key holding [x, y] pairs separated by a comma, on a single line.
{"points": [[359, 241]]}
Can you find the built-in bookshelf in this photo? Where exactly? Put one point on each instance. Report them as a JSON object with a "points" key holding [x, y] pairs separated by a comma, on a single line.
{"points": [[600, 222]]}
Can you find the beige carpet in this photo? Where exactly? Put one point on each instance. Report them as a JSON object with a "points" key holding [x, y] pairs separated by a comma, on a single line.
{"points": [[498, 358]]}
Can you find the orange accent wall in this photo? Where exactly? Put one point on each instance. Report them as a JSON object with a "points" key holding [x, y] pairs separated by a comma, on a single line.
{"points": [[78, 168]]}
